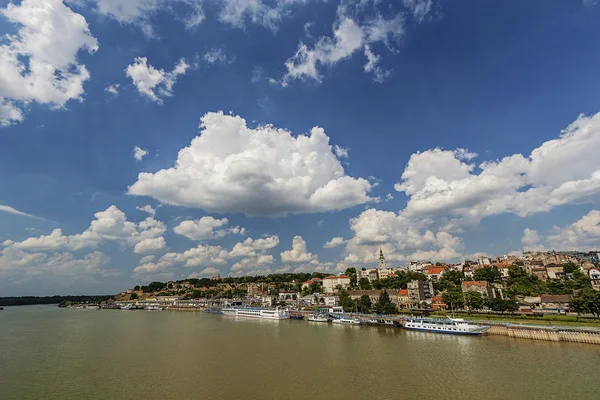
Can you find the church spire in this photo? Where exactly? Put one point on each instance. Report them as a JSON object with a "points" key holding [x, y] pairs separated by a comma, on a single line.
{"points": [[381, 259]]}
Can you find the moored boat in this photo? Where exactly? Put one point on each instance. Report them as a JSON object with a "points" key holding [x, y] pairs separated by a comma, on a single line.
{"points": [[262, 313], [456, 326], [347, 321], [318, 318], [153, 308]]}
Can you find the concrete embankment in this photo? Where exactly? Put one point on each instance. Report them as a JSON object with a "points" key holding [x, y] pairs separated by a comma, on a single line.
{"points": [[553, 334]]}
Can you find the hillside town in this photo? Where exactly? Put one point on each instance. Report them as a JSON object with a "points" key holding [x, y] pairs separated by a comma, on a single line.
{"points": [[552, 282]]}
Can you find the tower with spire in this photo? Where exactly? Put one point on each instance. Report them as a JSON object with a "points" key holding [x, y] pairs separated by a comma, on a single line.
{"points": [[381, 259]]}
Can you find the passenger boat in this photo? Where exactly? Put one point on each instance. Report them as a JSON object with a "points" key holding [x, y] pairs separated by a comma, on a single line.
{"points": [[229, 310], [347, 321], [262, 313], [126, 306], [456, 326], [318, 318], [154, 308]]}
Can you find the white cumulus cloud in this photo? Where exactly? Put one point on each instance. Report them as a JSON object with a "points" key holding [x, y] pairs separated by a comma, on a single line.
{"points": [[263, 171], [150, 245], [444, 183], [39, 61], [113, 89], [335, 242], [152, 82], [298, 253], [148, 209], [206, 228], [139, 153]]}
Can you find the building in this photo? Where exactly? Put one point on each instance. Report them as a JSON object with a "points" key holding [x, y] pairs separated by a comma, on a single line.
{"points": [[484, 261], [437, 303], [330, 283], [373, 294], [435, 273], [594, 274], [403, 298], [331, 301], [554, 271], [373, 274], [311, 281], [555, 303], [418, 266], [419, 291], [483, 287]]}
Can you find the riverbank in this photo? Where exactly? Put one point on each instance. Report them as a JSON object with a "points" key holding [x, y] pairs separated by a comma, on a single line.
{"points": [[546, 320]]}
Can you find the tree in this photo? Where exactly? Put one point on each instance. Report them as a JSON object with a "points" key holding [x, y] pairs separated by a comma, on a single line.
{"points": [[364, 284], [587, 301], [474, 300], [133, 296], [346, 301], [384, 305], [453, 297], [136, 288], [569, 268], [489, 274], [449, 278], [351, 273], [364, 304], [438, 264]]}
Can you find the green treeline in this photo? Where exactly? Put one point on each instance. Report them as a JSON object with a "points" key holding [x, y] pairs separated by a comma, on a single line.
{"points": [[31, 300]]}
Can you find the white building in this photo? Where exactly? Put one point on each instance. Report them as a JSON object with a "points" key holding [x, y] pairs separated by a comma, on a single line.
{"points": [[330, 283]]}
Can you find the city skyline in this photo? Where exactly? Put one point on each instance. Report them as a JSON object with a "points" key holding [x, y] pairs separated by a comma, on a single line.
{"points": [[164, 140]]}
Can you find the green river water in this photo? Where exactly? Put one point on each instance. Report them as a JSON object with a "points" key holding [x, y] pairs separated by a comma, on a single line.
{"points": [[48, 353]]}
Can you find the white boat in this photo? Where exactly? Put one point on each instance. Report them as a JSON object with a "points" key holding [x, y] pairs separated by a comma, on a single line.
{"points": [[126, 306], [318, 318], [262, 313], [229, 310], [347, 321], [456, 326], [154, 308]]}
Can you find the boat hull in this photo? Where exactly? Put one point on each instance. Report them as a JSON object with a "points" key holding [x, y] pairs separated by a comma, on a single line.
{"points": [[429, 330]]}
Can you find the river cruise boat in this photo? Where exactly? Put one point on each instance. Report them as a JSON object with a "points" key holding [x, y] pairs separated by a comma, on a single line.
{"points": [[347, 321], [456, 326], [318, 318], [154, 307], [262, 313]]}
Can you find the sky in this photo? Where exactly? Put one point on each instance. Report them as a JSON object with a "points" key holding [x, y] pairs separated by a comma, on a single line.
{"points": [[147, 140]]}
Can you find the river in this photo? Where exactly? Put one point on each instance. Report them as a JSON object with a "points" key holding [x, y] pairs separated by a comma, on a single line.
{"points": [[48, 353]]}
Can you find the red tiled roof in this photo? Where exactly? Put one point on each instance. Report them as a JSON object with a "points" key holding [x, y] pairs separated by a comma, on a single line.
{"points": [[336, 277], [403, 292], [436, 270]]}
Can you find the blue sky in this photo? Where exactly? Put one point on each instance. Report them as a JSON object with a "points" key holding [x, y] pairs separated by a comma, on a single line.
{"points": [[311, 133]]}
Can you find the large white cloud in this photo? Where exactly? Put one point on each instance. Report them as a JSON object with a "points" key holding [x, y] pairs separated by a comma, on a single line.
{"points": [[39, 62], [152, 82], [260, 172], [206, 228], [560, 171]]}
